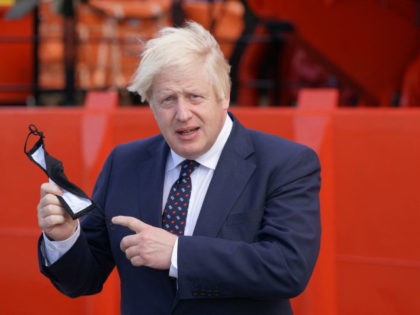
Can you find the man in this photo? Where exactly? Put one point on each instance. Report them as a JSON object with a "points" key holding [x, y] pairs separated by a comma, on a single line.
{"points": [[252, 231]]}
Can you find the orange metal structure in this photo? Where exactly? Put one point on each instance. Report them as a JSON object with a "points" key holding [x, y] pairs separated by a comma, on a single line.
{"points": [[369, 262], [368, 43], [16, 62], [223, 18]]}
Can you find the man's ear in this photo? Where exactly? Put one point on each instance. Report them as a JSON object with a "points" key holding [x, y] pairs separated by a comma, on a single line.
{"points": [[226, 100]]}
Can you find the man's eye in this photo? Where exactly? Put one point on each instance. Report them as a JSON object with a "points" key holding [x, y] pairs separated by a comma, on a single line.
{"points": [[195, 97], [168, 100]]}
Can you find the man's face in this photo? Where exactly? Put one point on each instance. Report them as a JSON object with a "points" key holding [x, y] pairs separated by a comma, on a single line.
{"points": [[187, 110]]}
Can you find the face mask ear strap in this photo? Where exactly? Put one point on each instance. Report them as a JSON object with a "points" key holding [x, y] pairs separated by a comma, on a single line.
{"points": [[33, 130]]}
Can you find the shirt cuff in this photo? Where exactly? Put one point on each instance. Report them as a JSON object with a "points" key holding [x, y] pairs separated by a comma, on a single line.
{"points": [[173, 270], [54, 250]]}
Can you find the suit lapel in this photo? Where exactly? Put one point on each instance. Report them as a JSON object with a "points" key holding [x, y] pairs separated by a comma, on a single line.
{"points": [[232, 173], [152, 174]]}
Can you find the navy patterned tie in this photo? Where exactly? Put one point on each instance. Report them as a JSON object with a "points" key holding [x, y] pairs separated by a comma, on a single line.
{"points": [[175, 212]]}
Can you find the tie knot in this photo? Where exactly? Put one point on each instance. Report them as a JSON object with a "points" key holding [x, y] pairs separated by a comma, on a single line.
{"points": [[187, 167]]}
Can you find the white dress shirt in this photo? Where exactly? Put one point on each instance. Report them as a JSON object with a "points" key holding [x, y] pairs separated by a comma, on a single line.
{"points": [[200, 181]]}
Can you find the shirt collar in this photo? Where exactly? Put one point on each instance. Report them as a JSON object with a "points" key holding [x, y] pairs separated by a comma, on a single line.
{"points": [[211, 157]]}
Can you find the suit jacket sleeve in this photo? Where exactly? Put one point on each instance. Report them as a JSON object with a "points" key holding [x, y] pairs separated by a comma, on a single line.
{"points": [[269, 242], [85, 267]]}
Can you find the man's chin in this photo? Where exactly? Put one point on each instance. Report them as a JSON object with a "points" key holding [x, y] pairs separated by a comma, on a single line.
{"points": [[189, 153]]}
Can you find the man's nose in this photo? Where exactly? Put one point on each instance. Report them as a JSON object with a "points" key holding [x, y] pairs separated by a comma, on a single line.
{"points": [[183, 111]]}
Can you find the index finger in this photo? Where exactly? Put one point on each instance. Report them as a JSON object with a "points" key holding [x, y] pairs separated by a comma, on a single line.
{"points": [[132, 223]]}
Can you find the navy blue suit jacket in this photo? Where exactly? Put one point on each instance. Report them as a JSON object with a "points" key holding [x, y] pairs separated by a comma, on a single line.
{"points": [[254, 246]]}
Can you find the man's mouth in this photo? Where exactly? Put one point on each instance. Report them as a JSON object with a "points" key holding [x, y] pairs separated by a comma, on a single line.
{"points": [[185, 132]]}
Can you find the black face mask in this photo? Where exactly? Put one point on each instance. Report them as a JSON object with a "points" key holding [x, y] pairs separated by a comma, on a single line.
{"points": [[74, 200]]}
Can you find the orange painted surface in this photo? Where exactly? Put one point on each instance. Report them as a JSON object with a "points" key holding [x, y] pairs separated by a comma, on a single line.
{"points": [[371, 42], [16, 62], [410, 92], [313, 128], [369, 262], [145, 9], [227, 17], [23, 290], [377, 173]]}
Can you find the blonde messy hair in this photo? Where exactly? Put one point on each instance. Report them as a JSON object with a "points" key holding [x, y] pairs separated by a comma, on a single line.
{"points": [[182, 47]]}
